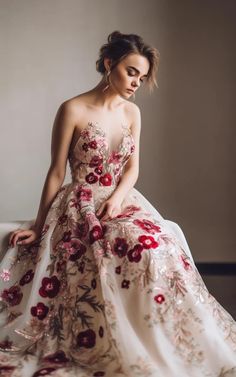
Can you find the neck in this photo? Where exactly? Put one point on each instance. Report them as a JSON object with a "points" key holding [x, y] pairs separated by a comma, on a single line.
{"points": [[107, 99]]}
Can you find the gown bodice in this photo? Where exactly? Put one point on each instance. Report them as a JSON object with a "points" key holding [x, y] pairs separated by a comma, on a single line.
{"points": [[92, 161]]}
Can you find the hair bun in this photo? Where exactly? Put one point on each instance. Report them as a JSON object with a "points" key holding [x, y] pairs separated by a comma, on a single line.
{"points": [[114, 36]]}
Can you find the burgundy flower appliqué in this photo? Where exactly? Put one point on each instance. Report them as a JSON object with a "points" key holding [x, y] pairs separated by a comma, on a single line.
{"points": [[86, 339], [50, 287], [40, 310], [13, 295]]}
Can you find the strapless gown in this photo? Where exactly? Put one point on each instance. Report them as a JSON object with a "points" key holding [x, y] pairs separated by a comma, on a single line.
{"points": [[117, 298]]}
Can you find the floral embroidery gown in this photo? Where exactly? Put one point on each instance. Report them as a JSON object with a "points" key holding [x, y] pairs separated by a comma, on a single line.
{"points": [[119, 297]]}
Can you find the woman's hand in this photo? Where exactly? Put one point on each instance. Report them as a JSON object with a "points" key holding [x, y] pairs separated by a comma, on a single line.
{"points": [[23, 236], [110, 208]]}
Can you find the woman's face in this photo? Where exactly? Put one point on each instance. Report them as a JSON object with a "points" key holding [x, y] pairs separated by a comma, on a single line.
{"points": [[129, 74]]}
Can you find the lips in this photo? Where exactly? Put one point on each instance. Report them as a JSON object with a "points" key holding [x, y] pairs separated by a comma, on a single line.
{"points": [[130, 90]]}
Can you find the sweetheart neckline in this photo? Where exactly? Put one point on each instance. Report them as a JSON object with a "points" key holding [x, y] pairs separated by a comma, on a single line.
{"points": [[96, 125]]}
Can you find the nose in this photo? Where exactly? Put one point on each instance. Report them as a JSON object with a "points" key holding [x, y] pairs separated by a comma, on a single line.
{"points": [[136, 83]]}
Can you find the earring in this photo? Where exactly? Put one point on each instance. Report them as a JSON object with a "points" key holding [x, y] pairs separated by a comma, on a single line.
{"points": [[107, 80]]}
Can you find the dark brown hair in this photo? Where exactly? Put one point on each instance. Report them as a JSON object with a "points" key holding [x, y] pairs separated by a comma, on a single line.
{"points": [[120, 45]]}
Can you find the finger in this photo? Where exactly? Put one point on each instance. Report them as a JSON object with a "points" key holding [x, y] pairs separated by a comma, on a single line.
{"points": [[20, 234], [100, 210], [26, 241], [12, 234]]}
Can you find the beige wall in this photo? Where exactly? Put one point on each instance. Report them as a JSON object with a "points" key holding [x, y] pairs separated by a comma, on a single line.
{"points": [[187, 171]]}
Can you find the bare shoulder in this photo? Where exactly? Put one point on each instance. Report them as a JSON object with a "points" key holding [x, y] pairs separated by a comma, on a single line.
{"points": [[133, 114]]}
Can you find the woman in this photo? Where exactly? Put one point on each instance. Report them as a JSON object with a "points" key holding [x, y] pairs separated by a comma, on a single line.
{"points": [[101, 284]]}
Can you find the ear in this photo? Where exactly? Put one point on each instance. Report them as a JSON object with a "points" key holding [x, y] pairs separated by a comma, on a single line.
{"points": [[107, 63]]}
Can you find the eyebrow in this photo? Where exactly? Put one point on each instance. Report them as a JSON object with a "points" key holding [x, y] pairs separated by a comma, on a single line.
{"points": [[130, 66]]}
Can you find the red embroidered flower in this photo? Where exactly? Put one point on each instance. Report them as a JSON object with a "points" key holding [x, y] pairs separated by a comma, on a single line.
{"points": [[134, 254], [57, 357], [106, 179], [93, 144], [6, 369], [81, 267], [125, 284], [101, 332], [95, 161], [13, 295], [85, 147], [186, 264], [148, 242], [43, 372], [147, 225], [40, 310], [86, 339], [6, 344], [159, 298], [118, 270], [93, 283], [91, 178], [95, 234], [27, 277], [66, 236], [50, 287], [84, 194], [62, 219], [81, 229], [132, 148], [128, 211], [98, 170], [75, 249], [120, 247]]}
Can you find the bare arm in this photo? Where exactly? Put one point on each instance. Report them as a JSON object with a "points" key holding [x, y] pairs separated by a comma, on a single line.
{"points": [[62, 132]]}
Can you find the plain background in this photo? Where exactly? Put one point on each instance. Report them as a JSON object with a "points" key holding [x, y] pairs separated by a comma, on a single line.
{"points": [[187, 160]]}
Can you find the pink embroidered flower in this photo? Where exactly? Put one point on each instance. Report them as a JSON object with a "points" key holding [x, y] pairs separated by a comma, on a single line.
{"points": [[147, 225], [134, 254], [6, 370], [13, 295], [27, 277], [95, 161], [91, 178], [148, 242], [106, 179], [84, 194], [93, 144], [114, 158], [186, 264], [75, 249], [95, 234], [58, 357], [50, 287], [40, 310], [128, 211], [86, 339], [43, 372], [159, 298], [5, 275], [120, 247], [125, 284]]}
